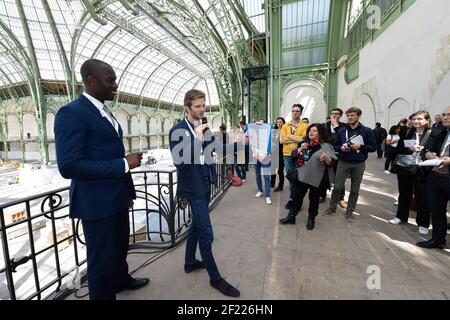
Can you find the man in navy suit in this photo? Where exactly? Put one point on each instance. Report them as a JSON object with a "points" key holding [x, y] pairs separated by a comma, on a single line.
{"points": [[190, 144], [90, 151]]}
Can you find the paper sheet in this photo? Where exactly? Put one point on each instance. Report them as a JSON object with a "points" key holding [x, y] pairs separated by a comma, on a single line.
{"points": [[431, 162], [409, 143], [358, 139]]}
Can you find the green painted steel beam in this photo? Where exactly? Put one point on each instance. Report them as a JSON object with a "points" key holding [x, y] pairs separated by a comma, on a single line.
{"points": [[181, 87], [164, 87], [62, 53], [85, 18], [126, 68], [37, 88], [145, 38], [93, 12], [147, 81], [156, 15]]}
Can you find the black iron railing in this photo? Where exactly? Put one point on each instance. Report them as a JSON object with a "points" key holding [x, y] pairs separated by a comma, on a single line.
{"points": [[43, 250]]}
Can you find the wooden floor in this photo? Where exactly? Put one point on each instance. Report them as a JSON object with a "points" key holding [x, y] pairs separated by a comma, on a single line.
{"points": [[336, 260]]}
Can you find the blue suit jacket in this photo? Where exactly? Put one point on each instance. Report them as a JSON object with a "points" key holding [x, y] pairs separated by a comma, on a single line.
{"points": [[90, 152], [194, 179]]}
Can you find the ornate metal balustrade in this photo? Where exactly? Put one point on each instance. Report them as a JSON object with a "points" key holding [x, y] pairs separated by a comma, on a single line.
{"points": [[43, 250]]}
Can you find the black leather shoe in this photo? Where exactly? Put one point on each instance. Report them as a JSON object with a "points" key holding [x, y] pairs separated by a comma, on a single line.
{"points": [[288, 219], [310, 223], [137, 283], [430, 244], [225, 288], [277, 189], [188, 268], [289, 204]]}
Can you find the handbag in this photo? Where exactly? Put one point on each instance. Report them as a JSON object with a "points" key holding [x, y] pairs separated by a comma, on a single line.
{"points": [[292, 174], [407, 164]]}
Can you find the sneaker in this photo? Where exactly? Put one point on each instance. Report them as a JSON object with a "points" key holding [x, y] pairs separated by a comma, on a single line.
{"points": [[395, 221], [258, 194], [225, 288], [243, 180], [343, 204], [387, 172], [423, 230], [188, 268], [396, 203], [329, 212], [349, 217], [268, 201]]}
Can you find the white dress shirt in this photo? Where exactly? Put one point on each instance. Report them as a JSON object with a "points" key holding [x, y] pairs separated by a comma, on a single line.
{"points": [[111, 120]]}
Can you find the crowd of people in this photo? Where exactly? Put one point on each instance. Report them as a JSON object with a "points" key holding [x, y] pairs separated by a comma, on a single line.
{"points": [[315, 157], [321, 156]]}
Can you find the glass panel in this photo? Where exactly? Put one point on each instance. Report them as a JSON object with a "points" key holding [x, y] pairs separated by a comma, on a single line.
{"points": [[139, 68], [304, 32]]}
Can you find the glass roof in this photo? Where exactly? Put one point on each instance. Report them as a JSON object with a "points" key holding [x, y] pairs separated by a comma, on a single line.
{"points": [[158, 57]]}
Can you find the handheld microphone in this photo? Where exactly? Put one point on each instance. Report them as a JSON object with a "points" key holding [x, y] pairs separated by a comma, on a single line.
{"points": [[204, 121]]}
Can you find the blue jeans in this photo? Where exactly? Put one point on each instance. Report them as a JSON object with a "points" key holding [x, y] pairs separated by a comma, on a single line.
{"points": [[266, 173], [239, 168], [240, 171], [288, 163], [201, 232]]}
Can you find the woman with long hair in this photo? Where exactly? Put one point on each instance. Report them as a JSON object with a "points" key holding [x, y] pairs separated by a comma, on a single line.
{"points": [[415, 184], [314, 158]]}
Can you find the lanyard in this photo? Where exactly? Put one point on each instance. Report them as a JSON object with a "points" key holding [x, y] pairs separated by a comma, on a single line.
{"points": [[189, 126]]}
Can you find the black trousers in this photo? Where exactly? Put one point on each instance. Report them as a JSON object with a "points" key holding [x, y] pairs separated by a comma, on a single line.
{"points": [[379, 149], [107, 248], [390, 155], [407, 186], [437, 203], [299, 191]]}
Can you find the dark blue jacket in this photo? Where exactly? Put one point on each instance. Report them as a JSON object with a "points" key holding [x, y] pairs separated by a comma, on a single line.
{"points": [[193, 179], [370, 144], [90, 152]]}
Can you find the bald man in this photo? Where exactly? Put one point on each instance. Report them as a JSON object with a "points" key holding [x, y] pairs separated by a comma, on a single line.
{"points": [[90, 151]]}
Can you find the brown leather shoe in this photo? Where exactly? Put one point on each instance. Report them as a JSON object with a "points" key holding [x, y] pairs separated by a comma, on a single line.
{"points": [[343, 204]]}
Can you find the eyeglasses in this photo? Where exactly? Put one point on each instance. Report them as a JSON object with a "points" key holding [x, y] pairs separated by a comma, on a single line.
{"points": [[296, 111], [446, 115], [335, 114]]}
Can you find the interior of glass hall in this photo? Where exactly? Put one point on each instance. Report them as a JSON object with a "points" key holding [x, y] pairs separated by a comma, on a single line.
{"points": [[254, 59]]}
